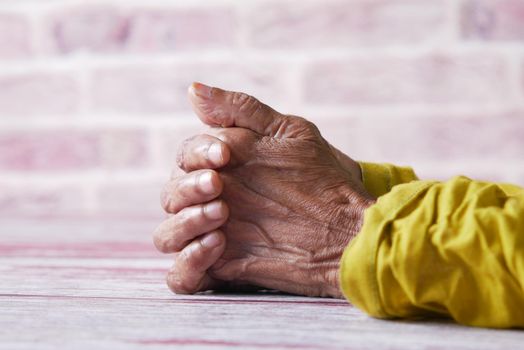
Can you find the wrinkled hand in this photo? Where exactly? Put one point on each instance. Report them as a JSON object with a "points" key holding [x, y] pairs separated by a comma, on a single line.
{"points": [[289, 203]]}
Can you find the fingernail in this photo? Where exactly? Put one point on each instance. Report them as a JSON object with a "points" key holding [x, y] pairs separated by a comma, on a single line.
{"points": [[214, 153], [211, 241], [213, 210], [202, 90], [205, 182]]}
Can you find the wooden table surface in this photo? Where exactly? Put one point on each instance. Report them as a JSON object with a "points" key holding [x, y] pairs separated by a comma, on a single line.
{"points": [[99, 284]]}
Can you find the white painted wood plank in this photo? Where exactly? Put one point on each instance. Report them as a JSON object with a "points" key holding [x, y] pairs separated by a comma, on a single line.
{"points": [[83, 323], [90, 238]]}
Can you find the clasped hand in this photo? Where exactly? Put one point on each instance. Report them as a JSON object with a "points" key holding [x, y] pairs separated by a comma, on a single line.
{"points": [[264, 201]]}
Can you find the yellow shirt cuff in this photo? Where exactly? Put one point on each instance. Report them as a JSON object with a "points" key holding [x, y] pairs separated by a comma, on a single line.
{"points": [[379, 179], [358, 266]]}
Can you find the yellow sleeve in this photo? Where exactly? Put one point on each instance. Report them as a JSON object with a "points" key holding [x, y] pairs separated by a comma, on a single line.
{"points": [[453, 249], [379, 179]]}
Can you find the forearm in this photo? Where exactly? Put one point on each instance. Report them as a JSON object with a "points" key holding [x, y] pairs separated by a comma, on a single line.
{"points": [[453, 249]]}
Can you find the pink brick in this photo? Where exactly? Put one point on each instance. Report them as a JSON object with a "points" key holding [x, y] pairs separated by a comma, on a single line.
{"points": [[339, 131], [38, 93], [163, 88], [439, 138], [493, 20], [338, 23], [15, 36], [181, 29], [32, 200], [60, 150], [101, 28], [138, 90], [492, 171], [98, 28], [435, 79], [130, 199], [124, 148], [522, 79]]}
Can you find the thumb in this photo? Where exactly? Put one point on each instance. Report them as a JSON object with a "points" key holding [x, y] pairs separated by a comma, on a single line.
{"points": [[217, 107]]}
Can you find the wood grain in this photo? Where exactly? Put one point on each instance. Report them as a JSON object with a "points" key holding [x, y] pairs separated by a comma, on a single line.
{"points": [[99, 284]]}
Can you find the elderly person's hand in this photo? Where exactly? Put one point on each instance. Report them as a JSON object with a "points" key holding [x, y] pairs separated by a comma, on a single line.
{"points": [[289, 202]]}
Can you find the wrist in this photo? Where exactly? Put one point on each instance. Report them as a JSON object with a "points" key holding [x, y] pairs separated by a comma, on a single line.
{"points": [[355, 223]]}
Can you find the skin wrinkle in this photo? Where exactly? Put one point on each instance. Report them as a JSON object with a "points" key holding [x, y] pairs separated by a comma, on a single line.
{"points": [[181, 155], [170, 187], [252, 108], [257, 162], [241, 266], [163, 241], [167, 198], [260, 232], [213, 113], [247, 263], [281, 130], [259, 252], [289, 210], [205, 152], [311, 256], [280, 251], [286, 160], [265, 198]]}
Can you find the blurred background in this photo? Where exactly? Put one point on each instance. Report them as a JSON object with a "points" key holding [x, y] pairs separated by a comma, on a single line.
{"points": [[93, 93]]}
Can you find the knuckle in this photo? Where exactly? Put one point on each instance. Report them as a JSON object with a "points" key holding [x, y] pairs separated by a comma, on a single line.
{"points": [[175, 246], [192, 256], [307, 129], [197, 256], [178, 284], [184, 257], [165, 197], [226, 136], [173, 191], [213, 91], [207, 156], [306, 123], [245, 103], [162, 243], [181, 157], [190, 219]]}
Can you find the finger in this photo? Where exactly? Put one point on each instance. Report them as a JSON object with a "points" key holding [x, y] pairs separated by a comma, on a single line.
{"points": [[189, 273], [202, 152], [217, 107], [174, 233], [194, 188]]}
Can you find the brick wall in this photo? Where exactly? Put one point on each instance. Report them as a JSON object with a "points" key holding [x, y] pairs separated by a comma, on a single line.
{"points": [[93, 93]]}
